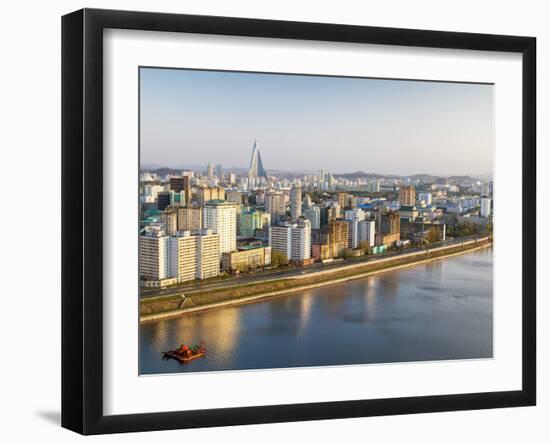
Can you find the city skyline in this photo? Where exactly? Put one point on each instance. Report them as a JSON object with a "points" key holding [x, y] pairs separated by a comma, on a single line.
{"points": [[292, 120]]}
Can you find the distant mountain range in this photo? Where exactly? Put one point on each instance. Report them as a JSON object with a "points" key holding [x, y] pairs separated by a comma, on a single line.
{"points": [[429, 178], [350, 176]]}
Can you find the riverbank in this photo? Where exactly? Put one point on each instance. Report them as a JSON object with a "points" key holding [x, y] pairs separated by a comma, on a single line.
{"points": [[212, 299]]}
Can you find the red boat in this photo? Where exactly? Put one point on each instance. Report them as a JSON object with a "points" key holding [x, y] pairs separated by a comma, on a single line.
{"points": [[186, 353]]}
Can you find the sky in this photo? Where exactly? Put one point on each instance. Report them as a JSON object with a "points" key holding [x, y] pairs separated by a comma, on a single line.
{"points": [[305, 123]]}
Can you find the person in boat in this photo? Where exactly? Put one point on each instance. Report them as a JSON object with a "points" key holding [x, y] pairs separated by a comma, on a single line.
{"points": [[184, 350]]}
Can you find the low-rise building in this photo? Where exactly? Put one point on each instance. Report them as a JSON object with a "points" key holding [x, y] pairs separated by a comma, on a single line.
{"points": [[246, 259]]}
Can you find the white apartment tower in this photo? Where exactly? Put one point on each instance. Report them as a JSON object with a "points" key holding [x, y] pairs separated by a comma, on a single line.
{"points": [[153, 256], [360, 230], [194, 256], [183, 256], [208, 255], [366, 233], [301, 241], [220, 216], [292, 239]]}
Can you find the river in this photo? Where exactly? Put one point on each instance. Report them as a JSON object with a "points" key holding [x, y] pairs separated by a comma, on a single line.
{"points": [[437, 311]]}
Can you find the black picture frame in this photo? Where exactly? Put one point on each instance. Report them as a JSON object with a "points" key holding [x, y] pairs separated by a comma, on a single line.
{"points": [[82, 189]]}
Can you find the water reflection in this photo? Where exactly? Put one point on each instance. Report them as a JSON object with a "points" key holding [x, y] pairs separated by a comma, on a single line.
{"points": [[437, 311]]}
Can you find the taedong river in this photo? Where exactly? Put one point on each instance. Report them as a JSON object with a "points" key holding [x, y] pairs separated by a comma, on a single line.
{"points": [[437, 311]]}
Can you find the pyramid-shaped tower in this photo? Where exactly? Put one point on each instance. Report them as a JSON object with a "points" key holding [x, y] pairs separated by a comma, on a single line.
{"points": [[256, 166]]}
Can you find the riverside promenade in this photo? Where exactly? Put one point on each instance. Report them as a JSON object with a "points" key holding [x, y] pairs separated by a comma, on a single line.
{"points": [[194, 298]]}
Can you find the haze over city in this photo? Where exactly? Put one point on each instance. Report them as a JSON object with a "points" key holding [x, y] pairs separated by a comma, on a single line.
{"points": [[304, 123]]}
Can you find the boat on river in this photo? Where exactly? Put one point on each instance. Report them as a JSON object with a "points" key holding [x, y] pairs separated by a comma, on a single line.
{"points": [[186, 353]]}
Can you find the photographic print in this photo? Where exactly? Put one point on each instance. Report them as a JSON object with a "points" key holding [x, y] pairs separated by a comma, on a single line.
{"points": [[290, 220]]}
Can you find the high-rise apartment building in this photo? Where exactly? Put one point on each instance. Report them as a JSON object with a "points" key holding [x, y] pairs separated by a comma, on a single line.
{"points": [[164, 199], [208, 255], [334, 210], [301, 241], [176, 183], [210, 170], [187, 189], [307, 202], [361, 234], [292, 239], [342, 199], [236, 196], [374, 186], [355, 214], [295, 202], [221, 217], [153, 256], [183, 256], [206, 194], [407, 195], [169, 218], [313, 214], [338, 236], [388, 229], [189, 218], [331, 240], [275, 205], [367, 233], [194, 256], [250, 221]]}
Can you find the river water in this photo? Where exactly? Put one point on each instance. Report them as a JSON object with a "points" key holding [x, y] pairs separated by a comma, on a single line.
{"points": [[437, 311]]}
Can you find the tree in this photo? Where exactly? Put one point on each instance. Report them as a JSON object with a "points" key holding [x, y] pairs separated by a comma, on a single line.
{"points": [[433, 235], [365, 246], [278, 258]]}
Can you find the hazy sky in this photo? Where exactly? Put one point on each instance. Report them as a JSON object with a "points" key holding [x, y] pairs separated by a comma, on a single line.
{"points": [[305, 123]]}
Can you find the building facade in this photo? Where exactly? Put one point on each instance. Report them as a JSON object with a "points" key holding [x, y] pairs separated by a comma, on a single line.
{"points": [[187, 190], [154, 256], [221, 217], [275, 205], [256, 169], [206, 194], [425, 197], [295, 202], [189, 219], [292, 239], [407, 195], [183, 257], [246, 259], [313, 214], [388, 229], [252, 220], [169, 218], [208, 255], [485, 210], [164, 200]]}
